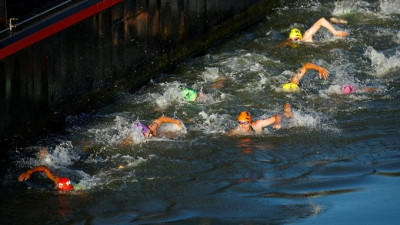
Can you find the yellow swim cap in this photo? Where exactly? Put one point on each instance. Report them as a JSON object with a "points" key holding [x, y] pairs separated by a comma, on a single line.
{"points": [[295, 33], [291, 87]]}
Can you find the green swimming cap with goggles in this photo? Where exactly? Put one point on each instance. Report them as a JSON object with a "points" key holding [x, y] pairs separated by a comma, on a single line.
{"points": [[189, 94]]}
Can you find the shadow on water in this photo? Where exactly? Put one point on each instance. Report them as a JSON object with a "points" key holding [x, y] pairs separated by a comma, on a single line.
{"points": [[336, 161]]}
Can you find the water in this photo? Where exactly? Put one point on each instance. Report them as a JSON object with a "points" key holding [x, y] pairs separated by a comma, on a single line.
{"points": [[336, 162]]}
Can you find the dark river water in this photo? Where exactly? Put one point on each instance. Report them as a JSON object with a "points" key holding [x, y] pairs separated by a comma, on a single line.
{"points": [[336, 162]]}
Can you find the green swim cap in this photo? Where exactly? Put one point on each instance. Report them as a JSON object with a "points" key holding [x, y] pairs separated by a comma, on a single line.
{"points": [[189, 94]]}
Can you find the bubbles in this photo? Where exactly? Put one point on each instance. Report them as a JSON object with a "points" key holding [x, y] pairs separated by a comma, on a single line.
{"points": [[381, 64], [304, 120], [211, 74], [332, 89], [384, 9], [170, 93], [388, 7], [396, 38], [211, 124], [63, 155]]}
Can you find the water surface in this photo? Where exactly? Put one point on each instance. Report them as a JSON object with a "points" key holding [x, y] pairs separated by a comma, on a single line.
{"points": [[336, 162]]}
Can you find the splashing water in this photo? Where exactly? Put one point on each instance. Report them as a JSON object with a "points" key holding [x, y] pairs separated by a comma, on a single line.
{"points": [[381, 64], [388, 7]]}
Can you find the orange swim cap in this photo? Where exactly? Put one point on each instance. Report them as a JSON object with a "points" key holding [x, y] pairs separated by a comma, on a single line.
{"points": [[244, 116]]}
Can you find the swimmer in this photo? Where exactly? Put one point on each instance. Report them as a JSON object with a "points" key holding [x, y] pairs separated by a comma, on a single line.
{"points": [[62, 183], [295, 34], [348, 89], [193, 96], [293, 85], [151, 129], [247, 126]]}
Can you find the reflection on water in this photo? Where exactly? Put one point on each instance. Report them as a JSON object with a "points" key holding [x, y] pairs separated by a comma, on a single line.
{"points": [[338, 149]]}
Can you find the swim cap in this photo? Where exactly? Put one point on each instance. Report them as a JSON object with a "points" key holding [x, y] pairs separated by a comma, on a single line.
{"points": [[290, 87], [244, 116], [141, 126], [348, 89], [189, 94], [64, 184], [295, 33]]}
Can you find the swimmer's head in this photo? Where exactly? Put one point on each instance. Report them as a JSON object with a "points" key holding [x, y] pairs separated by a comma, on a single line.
{"points": [[348, 89], [295, 35], [290, 87], [189, 94], [244, 116], [64, 184], [143, 127]]}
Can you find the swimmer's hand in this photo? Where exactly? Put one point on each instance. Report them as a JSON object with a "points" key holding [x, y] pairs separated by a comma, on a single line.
{"points": [[277, 126], [323, 73], [341, 33], [25, 176], [278, 122], [43, 152], [179, 124], [337, 20]]}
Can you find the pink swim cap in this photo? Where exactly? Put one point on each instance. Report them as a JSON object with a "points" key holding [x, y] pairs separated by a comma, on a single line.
{"points": [[348, 89]]}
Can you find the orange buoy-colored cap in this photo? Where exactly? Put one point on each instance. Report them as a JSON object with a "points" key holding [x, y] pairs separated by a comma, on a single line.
{"points": [[244, 116]]}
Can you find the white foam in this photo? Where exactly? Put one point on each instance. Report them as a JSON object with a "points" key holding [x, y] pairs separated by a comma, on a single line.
{"points": [[396, 38], [211, 123], [171, 92], [381, 64], [111, 134], [301, 119], [349, 7], [211, 74], [332, 89], [388, 7]]}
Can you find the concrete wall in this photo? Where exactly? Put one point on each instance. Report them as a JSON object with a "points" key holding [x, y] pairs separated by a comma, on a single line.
{"points": [[117, 49]]}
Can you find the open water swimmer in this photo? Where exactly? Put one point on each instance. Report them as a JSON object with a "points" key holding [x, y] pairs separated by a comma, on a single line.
{"points": [[151, 130], [194, 96], [296, 35], [61, 183], [247, 126], [293, 85]]}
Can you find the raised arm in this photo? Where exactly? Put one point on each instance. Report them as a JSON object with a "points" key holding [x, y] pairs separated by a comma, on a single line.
{"points": [[153, 126], [308, 35], [259, 124], [297, 77], [52, 176]]}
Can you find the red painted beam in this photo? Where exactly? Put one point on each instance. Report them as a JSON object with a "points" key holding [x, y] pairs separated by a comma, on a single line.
{"points": [[56, 27]]}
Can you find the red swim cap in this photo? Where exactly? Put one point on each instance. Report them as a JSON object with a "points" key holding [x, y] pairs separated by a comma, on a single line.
{"points": [[64, 184]]}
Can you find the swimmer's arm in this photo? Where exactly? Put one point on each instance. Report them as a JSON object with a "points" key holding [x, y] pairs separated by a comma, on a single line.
{"points": [[52, 176], [367, 89], [307, 37], [259, 124], [201, 97], [163, 119], [233, 132], [297, 77]]}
